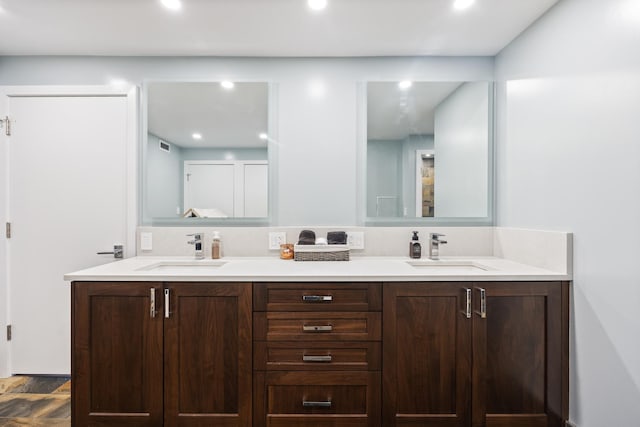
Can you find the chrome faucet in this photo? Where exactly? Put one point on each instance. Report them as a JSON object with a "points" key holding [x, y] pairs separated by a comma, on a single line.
{"points": [[197, 242], [434, 245]]}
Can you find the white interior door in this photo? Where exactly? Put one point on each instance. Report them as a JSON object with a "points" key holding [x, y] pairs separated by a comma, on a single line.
{"points": [[69, 196], [210, 186], [256, 189]]}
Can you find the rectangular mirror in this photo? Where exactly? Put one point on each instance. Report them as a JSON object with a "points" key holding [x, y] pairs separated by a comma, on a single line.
{"points": [[429, 152], [206, 157]]}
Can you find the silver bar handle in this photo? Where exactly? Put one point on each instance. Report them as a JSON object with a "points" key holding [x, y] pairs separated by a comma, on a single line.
{"points": [[152, 308], [117, 252], [317, 298], [483, 303], [317, 359], [317, 328], [467, 312], [167, 313], [312, 404]]}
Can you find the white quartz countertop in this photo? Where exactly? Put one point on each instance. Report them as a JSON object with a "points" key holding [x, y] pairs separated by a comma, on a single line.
{"points": [[359, 269]]}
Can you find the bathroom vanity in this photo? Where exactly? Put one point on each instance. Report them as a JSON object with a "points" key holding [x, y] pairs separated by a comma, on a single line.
{"points": [[369, 342]]}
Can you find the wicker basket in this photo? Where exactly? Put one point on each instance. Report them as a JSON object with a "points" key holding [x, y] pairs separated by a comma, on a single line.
{"points": [[321, 253]]}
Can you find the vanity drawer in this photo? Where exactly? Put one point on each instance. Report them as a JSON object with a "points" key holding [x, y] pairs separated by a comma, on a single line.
{"points": [[318, 399], [317, 356], [340, 326], [317, 297]]}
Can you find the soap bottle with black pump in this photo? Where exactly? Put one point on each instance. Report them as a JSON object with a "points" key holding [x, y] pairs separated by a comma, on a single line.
{"points": [[415, 249]]}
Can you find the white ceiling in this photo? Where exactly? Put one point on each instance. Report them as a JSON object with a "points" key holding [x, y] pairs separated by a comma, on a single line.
{"points": [[224, 118], [262, 27], [394, 114]]}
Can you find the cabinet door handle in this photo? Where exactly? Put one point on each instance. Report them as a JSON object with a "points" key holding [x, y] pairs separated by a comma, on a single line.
{"points": [[317, 328], [167, 313], [317, 298], [317, 359], [152, 308], [312, 404], [483, 303], [467, 311]]}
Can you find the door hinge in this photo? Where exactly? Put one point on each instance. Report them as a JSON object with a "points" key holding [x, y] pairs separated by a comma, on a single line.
{"points": [[8, 332], [8, 230], [6, 123]]}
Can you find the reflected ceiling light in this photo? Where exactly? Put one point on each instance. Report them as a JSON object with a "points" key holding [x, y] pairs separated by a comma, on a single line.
{"points": [[405, 84], [117, 82], [172, 4], [317, 4], [317, 89], [263, 136], [463, 4], [197, 136], [227, 84], [631, 10]]}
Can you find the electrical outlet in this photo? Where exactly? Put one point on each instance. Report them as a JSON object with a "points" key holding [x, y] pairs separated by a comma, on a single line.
{"points": [[355, 239], [276, 239]]}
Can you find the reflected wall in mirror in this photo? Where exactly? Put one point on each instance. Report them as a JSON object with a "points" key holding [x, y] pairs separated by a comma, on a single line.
{"points": [[207, 150], [428, 149]]}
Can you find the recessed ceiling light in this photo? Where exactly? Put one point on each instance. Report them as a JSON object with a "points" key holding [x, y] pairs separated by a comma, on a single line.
{"points": [[227, 84], [317, 4], [463, 4], [405, 84], [197, 136], [172, 4], [263, 136]]}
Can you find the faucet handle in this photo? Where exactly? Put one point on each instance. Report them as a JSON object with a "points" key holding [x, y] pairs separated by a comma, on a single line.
{"points": [[436, 235], [197, 236]]}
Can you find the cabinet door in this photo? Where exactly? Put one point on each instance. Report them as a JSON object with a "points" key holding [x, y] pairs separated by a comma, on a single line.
{"points": [[518, 355], [117, 355], [426, 355], [208, 355]]}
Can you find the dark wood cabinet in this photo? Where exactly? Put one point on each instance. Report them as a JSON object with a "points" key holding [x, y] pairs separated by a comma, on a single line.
{"points": [[520, 352], [432, 354], [475, 354], [207, 355], [317, 354], [426, 355], [139, 362]]}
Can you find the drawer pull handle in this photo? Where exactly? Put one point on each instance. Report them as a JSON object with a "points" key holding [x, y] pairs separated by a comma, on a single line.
{"points": [[483, 303], [317, 298], [317, 328], [311, 404], [317, 359]]}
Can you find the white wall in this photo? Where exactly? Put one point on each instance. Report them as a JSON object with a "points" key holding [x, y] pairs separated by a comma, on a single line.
{"points": [[317, 134], [164, 179], [568, 158], [461, 139]]}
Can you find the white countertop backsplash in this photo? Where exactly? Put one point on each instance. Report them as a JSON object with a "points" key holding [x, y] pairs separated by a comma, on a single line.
{"points": [[509, 254]]}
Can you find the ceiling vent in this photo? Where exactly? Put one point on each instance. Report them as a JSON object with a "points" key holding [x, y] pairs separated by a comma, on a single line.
{"points": [[164, 146]]}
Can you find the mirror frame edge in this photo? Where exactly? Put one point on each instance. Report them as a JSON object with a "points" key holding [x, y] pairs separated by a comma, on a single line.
{"points": [[361, 165], [144, 220]]}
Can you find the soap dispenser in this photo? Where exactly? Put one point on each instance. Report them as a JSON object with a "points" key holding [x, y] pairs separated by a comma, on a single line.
{"points": [[215, 246], [415, 249]]}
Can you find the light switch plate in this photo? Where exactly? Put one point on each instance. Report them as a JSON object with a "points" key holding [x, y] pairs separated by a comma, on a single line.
{"points": [[355, 239], [146, 241], [276, 239]]}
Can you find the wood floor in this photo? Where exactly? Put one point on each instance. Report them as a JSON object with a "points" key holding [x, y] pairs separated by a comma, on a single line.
{"points": [[35, 401]]}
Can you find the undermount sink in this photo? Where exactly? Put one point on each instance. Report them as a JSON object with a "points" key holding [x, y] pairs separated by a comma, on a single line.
{"points": [[195, 266], [449, 266]]}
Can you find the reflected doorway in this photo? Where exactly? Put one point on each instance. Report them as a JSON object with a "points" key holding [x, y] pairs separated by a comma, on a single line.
{"points": [[425, 174]]}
